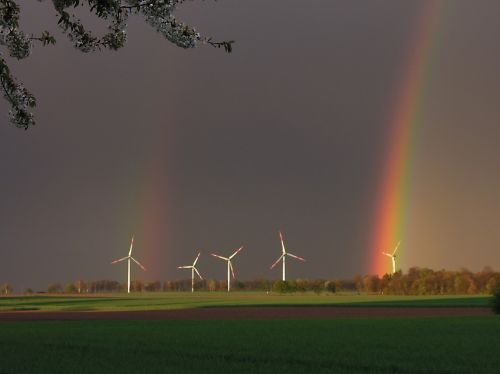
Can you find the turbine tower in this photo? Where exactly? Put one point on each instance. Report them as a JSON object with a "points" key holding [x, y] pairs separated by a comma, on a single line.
{"points": [[284, 253], [129, 257], [393, 257], [229, 266], [193, 269]]}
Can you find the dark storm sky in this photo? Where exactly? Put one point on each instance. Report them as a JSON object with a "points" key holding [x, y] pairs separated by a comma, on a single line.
{"points": [[200, 150]]}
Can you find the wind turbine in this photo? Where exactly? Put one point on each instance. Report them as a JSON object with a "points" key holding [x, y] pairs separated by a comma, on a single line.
{"points": [[284, 253], [129, 257], [229, 265], [393, 257], [193, 269]]}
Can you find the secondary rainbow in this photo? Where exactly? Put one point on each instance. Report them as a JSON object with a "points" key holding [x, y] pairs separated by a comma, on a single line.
{"points": [[394, 192]]}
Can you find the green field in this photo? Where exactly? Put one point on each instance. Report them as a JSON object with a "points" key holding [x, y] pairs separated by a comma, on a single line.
{"points": [[383, 345], [173, 300], [378, 345]]}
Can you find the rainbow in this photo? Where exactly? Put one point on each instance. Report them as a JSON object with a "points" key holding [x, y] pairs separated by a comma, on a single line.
{"points": [[150, 203], [153, 228], [391, 218]]}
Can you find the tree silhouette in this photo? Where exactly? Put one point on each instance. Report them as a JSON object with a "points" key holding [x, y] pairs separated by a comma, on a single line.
{"points": [[495, 303], [157, 13]]}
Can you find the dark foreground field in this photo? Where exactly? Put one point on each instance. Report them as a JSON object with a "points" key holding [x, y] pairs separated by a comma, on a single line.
{"points": [[248, 333], [378, 345], [268, 312]]}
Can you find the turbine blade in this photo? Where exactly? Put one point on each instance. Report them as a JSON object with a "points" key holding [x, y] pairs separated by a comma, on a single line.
{"points": [[121, 259], [395, 249], [196, 260], [387, 254], [282, 243], [184, 267], [138, 263], [131, 246], [297, 257], [224, 258], [278, 260], [232, 270], [197, 272], [235, 253]]}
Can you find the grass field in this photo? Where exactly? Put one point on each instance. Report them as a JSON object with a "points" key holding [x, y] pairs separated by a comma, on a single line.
{"points": [[385, 345], [370, 345], [156, 301]]}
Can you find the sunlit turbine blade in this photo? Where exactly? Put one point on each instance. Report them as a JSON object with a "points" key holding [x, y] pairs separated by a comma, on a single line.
{"points": [[232, 270], [131, 246], [184, 267], [196, 260], [278, 260], [224, 258], [297, 257], [121, 259], [198, 273], [282, 243], [138, 263], [387, 254], [395, 249], [235, 253]]}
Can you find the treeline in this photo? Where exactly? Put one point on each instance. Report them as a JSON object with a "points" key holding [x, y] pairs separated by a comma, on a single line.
{"points": [[423, 281], [417, 281]]}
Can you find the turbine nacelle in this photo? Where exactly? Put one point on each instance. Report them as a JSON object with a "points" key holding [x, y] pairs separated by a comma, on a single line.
{"points": [[129, 258]]}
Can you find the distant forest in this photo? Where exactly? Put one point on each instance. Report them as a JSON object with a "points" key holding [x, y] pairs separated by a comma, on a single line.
{"points": [[418, 281]]}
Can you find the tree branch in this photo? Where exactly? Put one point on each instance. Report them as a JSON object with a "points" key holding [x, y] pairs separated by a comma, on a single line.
{"points": [[157, 13]]}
